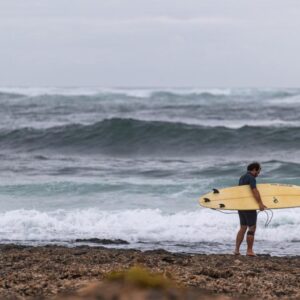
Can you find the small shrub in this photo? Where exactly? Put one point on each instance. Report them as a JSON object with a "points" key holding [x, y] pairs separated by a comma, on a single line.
{"points": [[140, 277]]}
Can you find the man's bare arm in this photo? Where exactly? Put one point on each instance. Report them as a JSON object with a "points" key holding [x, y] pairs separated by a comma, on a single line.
{"points": [[257, 197]]}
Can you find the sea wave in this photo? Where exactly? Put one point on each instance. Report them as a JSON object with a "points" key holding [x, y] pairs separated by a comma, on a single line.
{"points": [[130, 136], [144, 225], [161, 93]]}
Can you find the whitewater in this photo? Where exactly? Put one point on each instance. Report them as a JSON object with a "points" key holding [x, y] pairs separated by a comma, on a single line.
{"points": [[84, 165]]}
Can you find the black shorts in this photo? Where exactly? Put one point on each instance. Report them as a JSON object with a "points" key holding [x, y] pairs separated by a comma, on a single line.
{"points": [[248, 217]]}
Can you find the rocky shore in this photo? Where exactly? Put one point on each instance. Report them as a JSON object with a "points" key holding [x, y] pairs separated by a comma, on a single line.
{"points": [[85, 272]]}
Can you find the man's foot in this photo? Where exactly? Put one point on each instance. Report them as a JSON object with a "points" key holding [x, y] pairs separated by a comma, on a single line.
{"points": [[250, 253], [236, 252]]}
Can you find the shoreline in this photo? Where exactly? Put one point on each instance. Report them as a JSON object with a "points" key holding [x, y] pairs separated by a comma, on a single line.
{"points": [[47, 271], [262, 247]]}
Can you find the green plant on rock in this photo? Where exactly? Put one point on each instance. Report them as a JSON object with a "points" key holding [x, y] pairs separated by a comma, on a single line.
{"points": [[140, 277]]}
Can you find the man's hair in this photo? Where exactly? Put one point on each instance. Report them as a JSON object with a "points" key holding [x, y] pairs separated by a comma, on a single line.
{"points": [[254, 166]]}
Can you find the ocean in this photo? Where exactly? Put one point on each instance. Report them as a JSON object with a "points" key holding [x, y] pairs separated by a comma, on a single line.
{"points": [[125, 167]]}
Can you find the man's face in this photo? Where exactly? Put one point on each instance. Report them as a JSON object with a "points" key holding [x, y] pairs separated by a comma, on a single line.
{"points": [[256, 172]]}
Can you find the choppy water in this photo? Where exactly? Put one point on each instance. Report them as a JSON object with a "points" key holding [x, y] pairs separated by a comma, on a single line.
{"points": [[130, 164]]}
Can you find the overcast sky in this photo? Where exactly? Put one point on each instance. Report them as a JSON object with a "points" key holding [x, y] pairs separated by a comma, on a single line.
{"points": [[202, 43]]}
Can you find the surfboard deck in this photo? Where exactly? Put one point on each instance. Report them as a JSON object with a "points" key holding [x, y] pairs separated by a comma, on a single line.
{"points": [[274, 196]]}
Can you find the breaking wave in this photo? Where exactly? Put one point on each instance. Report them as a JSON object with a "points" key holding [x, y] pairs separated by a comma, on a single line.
{"points": [[130, 136], [148, 225]]}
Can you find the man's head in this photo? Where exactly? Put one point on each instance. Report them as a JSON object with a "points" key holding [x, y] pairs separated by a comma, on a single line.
{"points": [[254, 168]]}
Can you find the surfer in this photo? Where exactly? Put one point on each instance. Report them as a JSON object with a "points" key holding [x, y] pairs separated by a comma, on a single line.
{"points": [[248, 218]]}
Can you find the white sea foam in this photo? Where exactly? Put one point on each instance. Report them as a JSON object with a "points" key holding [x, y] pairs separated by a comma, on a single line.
{"points": [[76, 91], [149, 225], [290, 101], [90, 91], [210, 122], [38, 91], [77, 118], [73, 91]]}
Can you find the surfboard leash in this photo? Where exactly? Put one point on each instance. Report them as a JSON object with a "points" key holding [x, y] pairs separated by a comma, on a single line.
{"points": [[269, 218], [268, 221]]}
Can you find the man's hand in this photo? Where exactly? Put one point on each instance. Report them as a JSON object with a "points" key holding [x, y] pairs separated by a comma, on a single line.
{"points": [[257, 197], [262, 207]]}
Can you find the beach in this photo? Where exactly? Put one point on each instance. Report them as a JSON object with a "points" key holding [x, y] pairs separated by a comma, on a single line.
{"points": [[87, 168], [146, 147], [48, 271]]}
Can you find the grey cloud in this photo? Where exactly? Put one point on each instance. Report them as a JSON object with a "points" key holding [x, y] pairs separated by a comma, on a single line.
{"points": [[149, 43]]}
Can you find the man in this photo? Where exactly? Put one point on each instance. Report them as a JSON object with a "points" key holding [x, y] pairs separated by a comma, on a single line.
{"points": [[248, 217]]}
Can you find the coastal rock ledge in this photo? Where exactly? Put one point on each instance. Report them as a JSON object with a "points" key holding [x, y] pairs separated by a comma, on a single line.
{"points": [[56, 272]]}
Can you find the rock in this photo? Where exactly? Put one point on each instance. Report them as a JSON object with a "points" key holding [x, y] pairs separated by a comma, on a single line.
{"points": [[43, 272]]}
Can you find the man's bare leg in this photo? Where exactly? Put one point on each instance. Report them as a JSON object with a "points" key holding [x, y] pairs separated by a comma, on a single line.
{"points": [[239, 239], [250, 240]]}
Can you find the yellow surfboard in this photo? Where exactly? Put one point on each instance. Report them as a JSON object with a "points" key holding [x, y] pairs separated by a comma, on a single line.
{"points": [[273, 195]]}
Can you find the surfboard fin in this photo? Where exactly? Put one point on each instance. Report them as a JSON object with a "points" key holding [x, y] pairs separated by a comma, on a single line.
{"points": [[206, 200], [216, 191]]}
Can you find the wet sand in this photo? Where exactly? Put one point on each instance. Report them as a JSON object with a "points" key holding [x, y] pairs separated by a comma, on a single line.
{"points": [[50, 271]]}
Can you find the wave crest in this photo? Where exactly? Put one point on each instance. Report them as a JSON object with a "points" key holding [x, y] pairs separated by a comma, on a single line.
{"points": [[138, 225], [130, 136]]}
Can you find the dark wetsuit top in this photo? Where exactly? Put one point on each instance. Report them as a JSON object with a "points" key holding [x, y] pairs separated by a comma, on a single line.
{"points": [[248, 217], [248, 179]]}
